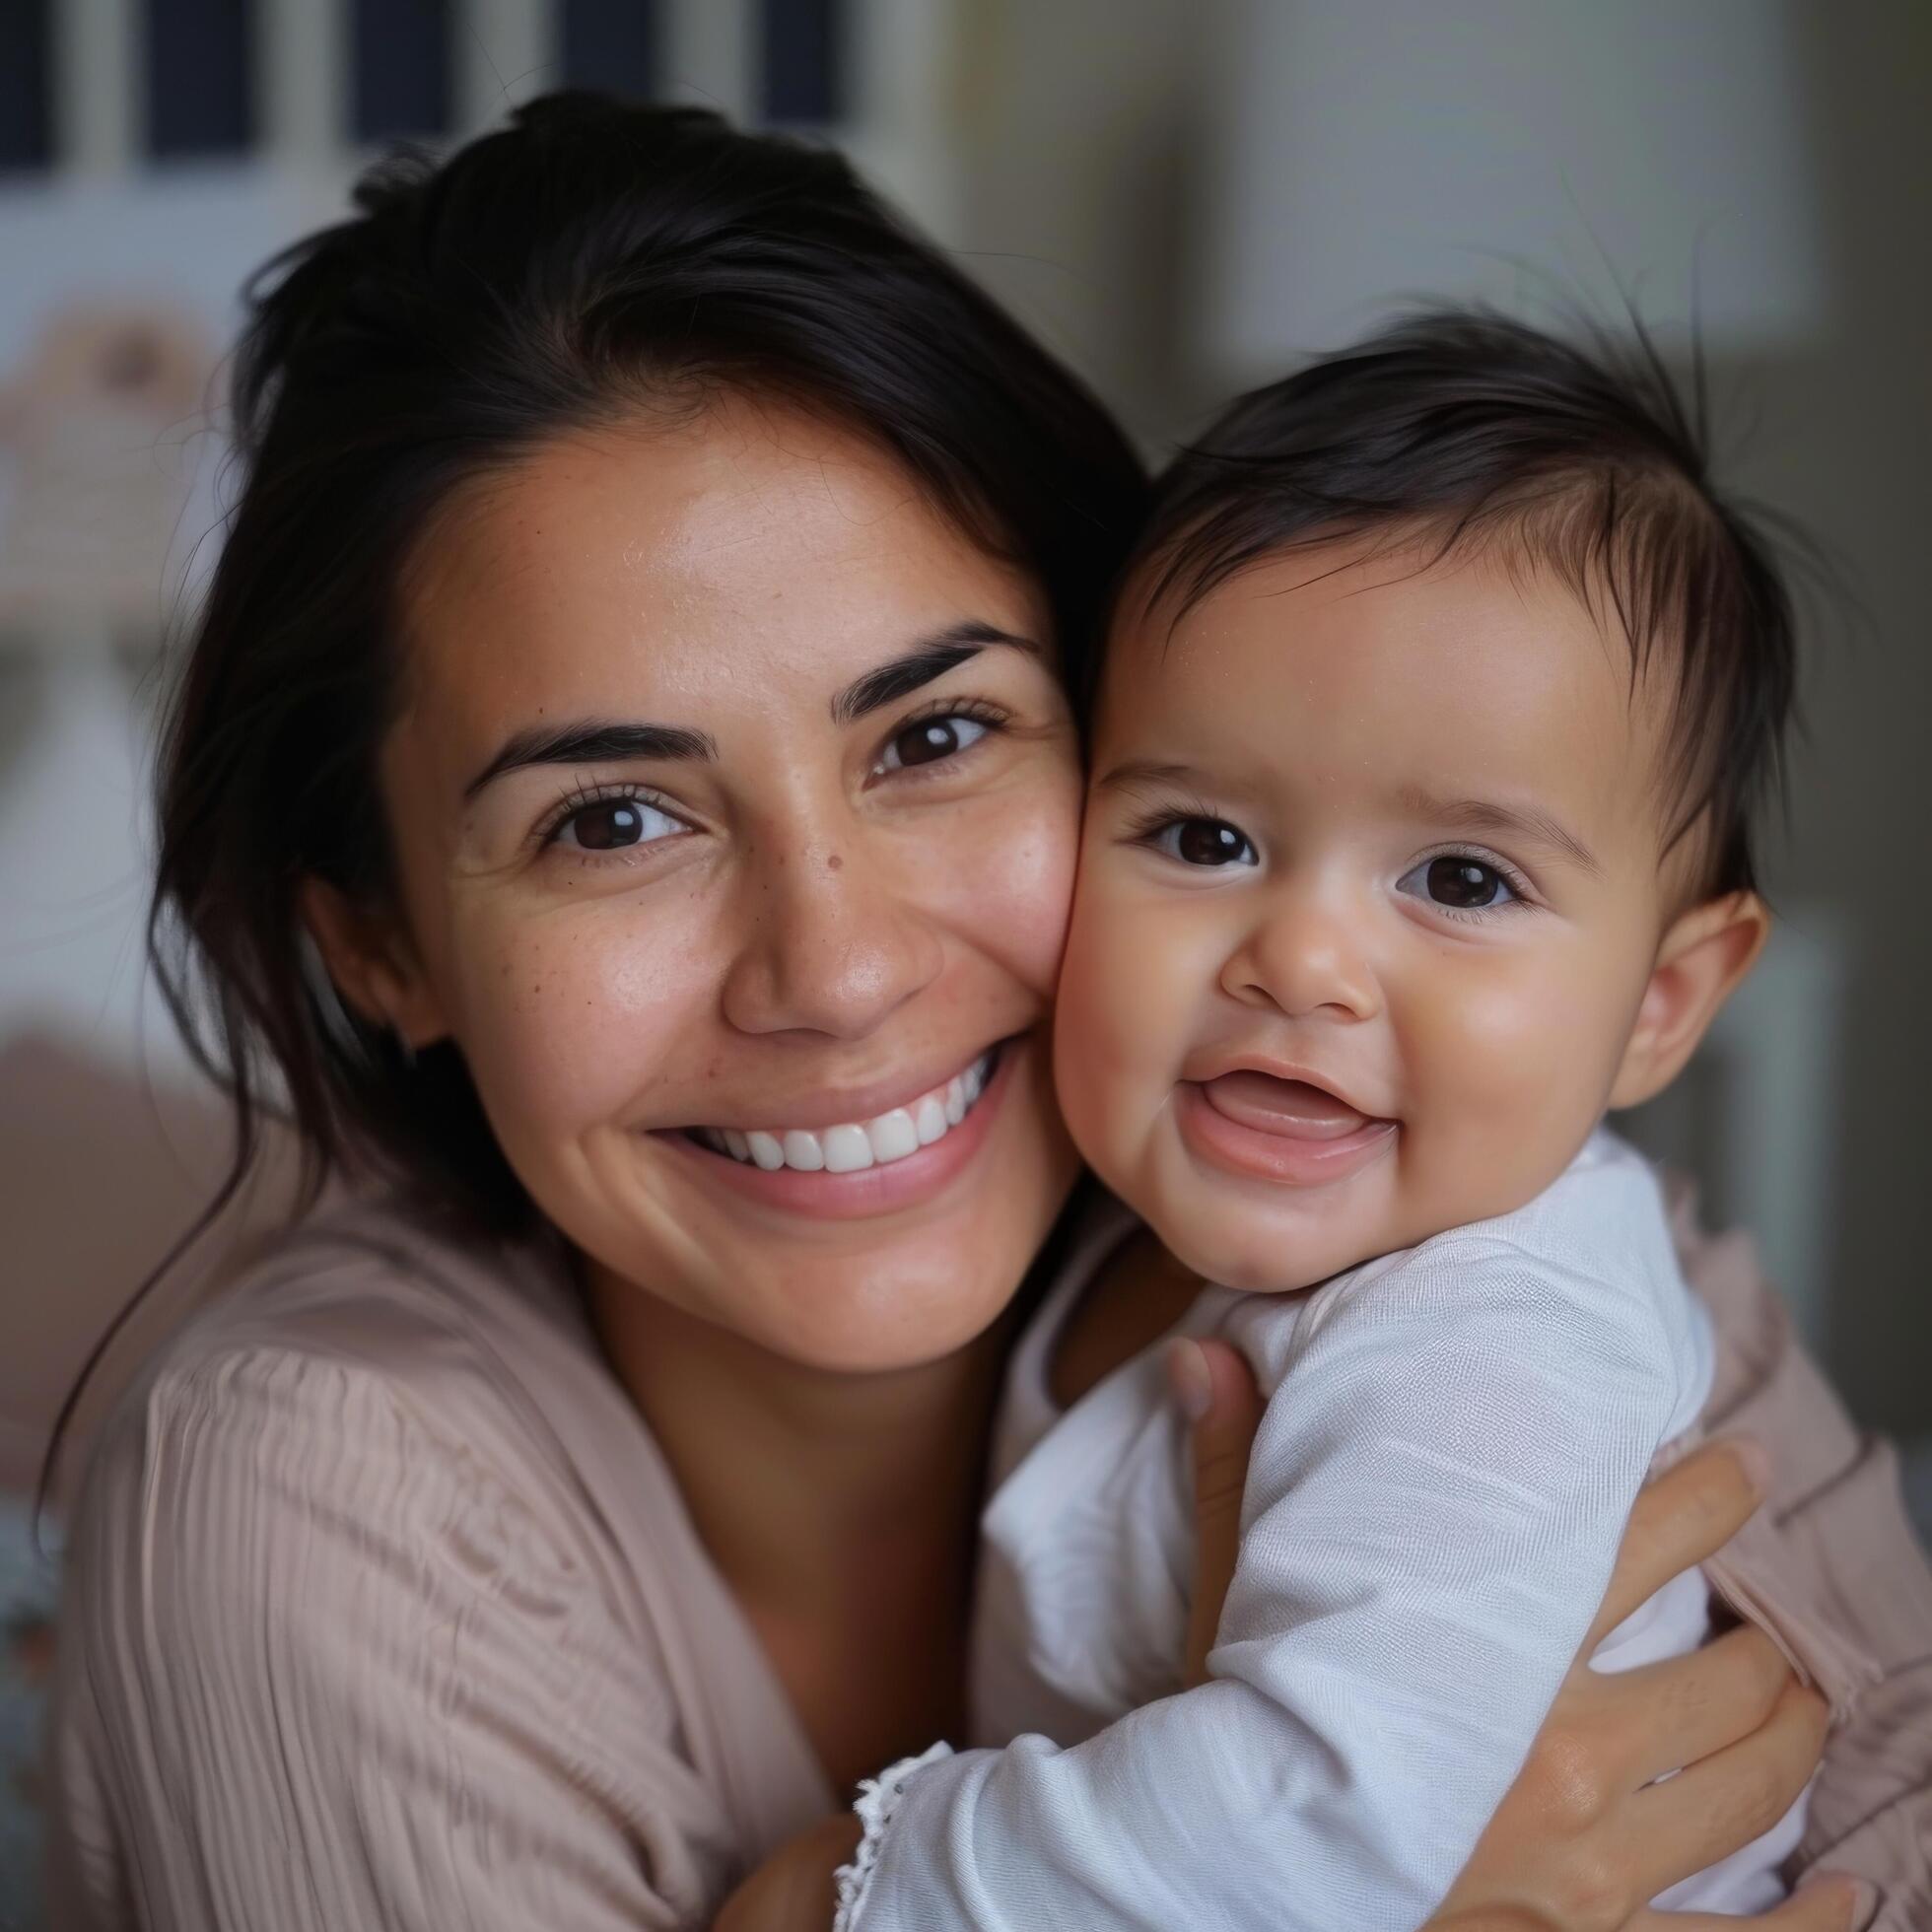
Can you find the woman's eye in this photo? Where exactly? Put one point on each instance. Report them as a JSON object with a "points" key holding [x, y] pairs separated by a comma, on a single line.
{"points": [[1205, 841], [1458, 883], [930, 740], [612, 824]]}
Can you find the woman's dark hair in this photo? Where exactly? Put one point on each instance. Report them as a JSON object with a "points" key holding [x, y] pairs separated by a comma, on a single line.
{"points": [[591, 261], [1471, 430], [588, 261]]}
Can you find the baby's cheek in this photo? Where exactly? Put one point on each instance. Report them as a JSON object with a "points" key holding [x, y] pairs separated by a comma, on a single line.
{"points": [[1126, 993], [1517, 1077]]}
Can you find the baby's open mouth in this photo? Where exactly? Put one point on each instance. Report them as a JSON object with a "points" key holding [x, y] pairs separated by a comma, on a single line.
{"points": [[1296, 1110], [853, 1145]]}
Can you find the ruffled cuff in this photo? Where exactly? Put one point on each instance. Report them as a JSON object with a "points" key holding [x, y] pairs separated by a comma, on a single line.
{"points": [[879, 1798]]}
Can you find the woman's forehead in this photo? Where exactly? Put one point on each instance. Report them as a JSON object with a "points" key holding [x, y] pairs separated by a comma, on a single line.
{"points": [[673, 567]]}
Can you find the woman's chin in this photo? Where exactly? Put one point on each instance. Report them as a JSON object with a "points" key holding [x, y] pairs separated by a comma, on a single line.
{"points": [[890, 1304], [847, 1333], [870, 1282]]}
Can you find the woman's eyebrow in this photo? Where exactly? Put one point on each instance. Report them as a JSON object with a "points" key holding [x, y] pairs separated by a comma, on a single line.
{"points": [[592, 741], [928, 658]]}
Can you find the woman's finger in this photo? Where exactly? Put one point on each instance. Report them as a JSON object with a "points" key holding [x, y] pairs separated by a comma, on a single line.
{"points": [[1216, 1392], [1835, 1905], [1722, 1802], [1683, 1709], [1684, 1515]]}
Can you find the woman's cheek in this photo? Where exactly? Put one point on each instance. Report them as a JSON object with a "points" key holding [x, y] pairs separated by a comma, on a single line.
{"points": [[1004, 876], [568, 1019]]}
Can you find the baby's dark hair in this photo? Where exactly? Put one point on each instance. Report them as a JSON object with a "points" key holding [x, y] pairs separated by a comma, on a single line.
{"points": [[1470, 432]]}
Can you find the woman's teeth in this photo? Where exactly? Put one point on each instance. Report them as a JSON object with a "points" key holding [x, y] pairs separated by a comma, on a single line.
{"points": [[861, 1143]]}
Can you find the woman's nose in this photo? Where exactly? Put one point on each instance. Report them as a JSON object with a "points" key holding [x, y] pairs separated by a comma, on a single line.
{"points": [[834, 945], [1304, 958]]}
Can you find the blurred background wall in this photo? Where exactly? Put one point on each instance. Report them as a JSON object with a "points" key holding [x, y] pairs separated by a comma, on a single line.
{"points": [[1183, 196]]}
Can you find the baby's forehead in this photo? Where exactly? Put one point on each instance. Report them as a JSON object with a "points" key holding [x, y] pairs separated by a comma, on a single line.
{"points": [[1341, 656], [1397, 591]]}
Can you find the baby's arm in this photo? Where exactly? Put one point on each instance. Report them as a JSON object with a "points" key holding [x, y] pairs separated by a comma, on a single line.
{"points": [[1435, 1503]]}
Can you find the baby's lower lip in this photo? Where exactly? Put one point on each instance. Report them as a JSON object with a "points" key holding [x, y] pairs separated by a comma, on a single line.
{"points": [[1294, 1109], [1281, 1152]]}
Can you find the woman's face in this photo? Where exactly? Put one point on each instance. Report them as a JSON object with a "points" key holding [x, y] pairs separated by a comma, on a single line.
{"points": [[737, 797]]}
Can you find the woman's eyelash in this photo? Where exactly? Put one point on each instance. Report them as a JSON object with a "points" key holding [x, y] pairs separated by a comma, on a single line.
{"points": [[889, 760], [581, 798], [982, 711]]}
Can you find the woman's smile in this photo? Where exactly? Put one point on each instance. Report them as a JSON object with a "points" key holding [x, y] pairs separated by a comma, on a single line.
{"points": [[844, 1133], [840, 1172]]}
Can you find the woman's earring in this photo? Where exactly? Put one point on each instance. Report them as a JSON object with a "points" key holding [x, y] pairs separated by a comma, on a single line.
{"points": [[405, 1050]]}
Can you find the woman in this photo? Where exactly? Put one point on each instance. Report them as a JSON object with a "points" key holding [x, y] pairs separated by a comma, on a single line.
{"points": [[639, 664]]}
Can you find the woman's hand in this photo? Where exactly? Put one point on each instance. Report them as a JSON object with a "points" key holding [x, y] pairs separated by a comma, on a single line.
{"points": [[793, 1891], [1585, 1837], [1218, 1396]]}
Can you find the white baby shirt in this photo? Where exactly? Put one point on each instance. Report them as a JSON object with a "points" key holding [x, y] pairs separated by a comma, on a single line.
{"points": [[1453, 1439]]}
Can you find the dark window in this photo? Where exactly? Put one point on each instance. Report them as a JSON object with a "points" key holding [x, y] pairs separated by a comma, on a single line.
{"points": [[802, 49], [400, 68], [198, 66], [25, 81], [611, 45]]}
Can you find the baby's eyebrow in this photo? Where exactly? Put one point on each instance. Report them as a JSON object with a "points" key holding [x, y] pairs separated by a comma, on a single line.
{"points": [[1487, 815], [1134, 773]]}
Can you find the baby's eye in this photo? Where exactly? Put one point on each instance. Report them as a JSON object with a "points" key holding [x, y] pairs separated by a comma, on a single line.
{"points": [[1205, 841], [612, 824], [930, 739], [1458, 883]]}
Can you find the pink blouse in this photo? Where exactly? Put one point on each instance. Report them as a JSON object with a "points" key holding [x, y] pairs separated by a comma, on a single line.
{"points": [[383, 1612]]}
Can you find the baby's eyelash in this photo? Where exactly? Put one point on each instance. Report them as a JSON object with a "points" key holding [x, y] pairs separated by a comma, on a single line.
{"points": [[1153, 819], [1513, 876], [1523, 895]]}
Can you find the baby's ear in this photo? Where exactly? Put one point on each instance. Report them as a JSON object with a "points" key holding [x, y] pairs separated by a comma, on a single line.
{"points": [[1703, 956], [372, 961]]}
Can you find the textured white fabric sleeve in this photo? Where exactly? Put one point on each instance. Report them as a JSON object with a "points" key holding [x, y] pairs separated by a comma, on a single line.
{"points": [[1433, 1506], [323, 1667]]}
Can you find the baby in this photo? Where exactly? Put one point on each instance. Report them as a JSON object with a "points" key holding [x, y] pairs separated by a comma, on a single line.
{"points": [[1424, 758]]}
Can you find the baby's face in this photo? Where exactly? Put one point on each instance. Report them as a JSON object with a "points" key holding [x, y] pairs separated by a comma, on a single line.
{"points": [[1369, 899]]}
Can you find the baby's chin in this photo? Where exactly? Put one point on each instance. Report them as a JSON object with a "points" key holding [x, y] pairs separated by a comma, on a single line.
{"points": [[1233, 1244], [1251, 1254]]}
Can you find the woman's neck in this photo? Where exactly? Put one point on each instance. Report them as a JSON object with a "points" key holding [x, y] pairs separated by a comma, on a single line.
{"points": [[840, 1509]]}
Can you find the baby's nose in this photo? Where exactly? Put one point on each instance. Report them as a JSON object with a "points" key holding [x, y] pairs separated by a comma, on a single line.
{"points": [[1305, 960]]}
